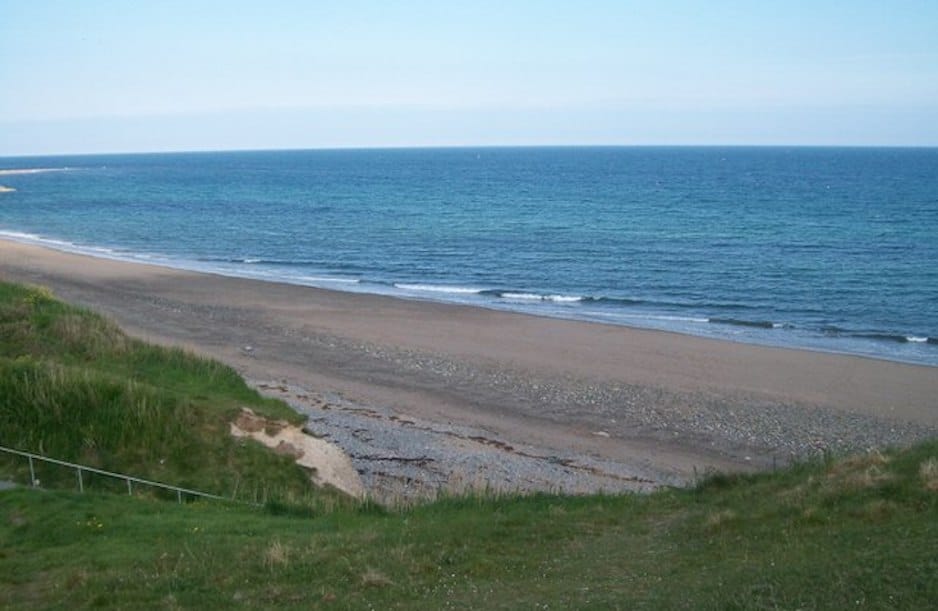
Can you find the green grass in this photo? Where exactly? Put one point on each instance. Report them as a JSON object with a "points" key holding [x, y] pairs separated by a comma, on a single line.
{"points": [[73, 386], [852, 532]]}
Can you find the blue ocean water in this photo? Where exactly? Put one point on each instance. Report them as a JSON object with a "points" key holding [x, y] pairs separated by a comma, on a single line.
{"points": [[824, 248]]}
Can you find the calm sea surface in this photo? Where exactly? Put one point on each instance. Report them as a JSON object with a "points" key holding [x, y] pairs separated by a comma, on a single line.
{"points": [[825, 248]]}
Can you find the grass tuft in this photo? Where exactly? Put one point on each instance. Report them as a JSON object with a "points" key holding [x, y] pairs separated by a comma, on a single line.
{"points": [[718, 519], [372, 578], [859, 472], [277, 555], [928, 471]]}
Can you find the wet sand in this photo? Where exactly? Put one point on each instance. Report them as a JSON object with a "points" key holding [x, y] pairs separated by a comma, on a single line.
{"points": [[478, 394]]}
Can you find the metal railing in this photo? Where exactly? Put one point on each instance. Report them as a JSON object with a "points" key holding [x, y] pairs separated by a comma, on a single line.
{"points": [[131, 480]]}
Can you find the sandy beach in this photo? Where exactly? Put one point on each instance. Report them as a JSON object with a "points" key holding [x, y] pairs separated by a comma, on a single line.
{"points": [[425, 395]]}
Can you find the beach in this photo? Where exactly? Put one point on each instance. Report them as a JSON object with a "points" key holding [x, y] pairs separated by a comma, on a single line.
{"points": [[426, 396]]}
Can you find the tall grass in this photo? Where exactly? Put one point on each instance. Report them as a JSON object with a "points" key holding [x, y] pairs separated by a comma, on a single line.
{"points": [[69, 411], [73, 386]]}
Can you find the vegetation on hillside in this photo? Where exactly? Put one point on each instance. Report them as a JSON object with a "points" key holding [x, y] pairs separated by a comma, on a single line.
{"points": [[73, 386], [850, 532], [860, 532]]}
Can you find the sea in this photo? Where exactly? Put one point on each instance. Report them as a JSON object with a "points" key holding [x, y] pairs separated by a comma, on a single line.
{"points": [[830, 249]]}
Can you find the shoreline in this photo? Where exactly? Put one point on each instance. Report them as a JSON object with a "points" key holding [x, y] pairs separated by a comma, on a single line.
{"points": [[561, 404], [430, 295]]}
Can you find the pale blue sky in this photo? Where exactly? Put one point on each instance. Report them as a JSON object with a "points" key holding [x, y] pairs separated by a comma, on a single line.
{"points": [[93, 76]]}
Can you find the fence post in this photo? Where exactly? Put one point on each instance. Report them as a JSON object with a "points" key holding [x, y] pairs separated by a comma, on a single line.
{"points": [[81, 484], [179, 495], [32, 473], [130, 491]]}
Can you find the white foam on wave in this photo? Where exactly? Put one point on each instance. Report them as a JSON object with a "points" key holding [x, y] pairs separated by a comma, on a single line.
{"points": [[20, 236], [328, 280], [32, 238], [15, 171], [662, 317], [436, 288], [916, 339], [525, 296], [563, 298], [536, 297]]}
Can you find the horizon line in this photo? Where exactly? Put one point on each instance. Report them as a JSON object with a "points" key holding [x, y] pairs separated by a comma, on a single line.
{"points": [[465, 146]]}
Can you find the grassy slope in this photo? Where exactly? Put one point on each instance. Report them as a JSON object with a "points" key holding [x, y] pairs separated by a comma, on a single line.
{"points": [[73, 386], [859, 532]]}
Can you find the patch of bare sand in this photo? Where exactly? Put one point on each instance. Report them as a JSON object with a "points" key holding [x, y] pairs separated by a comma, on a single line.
{"points": [[327, 463]]}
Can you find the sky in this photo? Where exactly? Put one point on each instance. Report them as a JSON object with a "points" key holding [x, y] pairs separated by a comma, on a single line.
{"points": [[90, 76]]}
